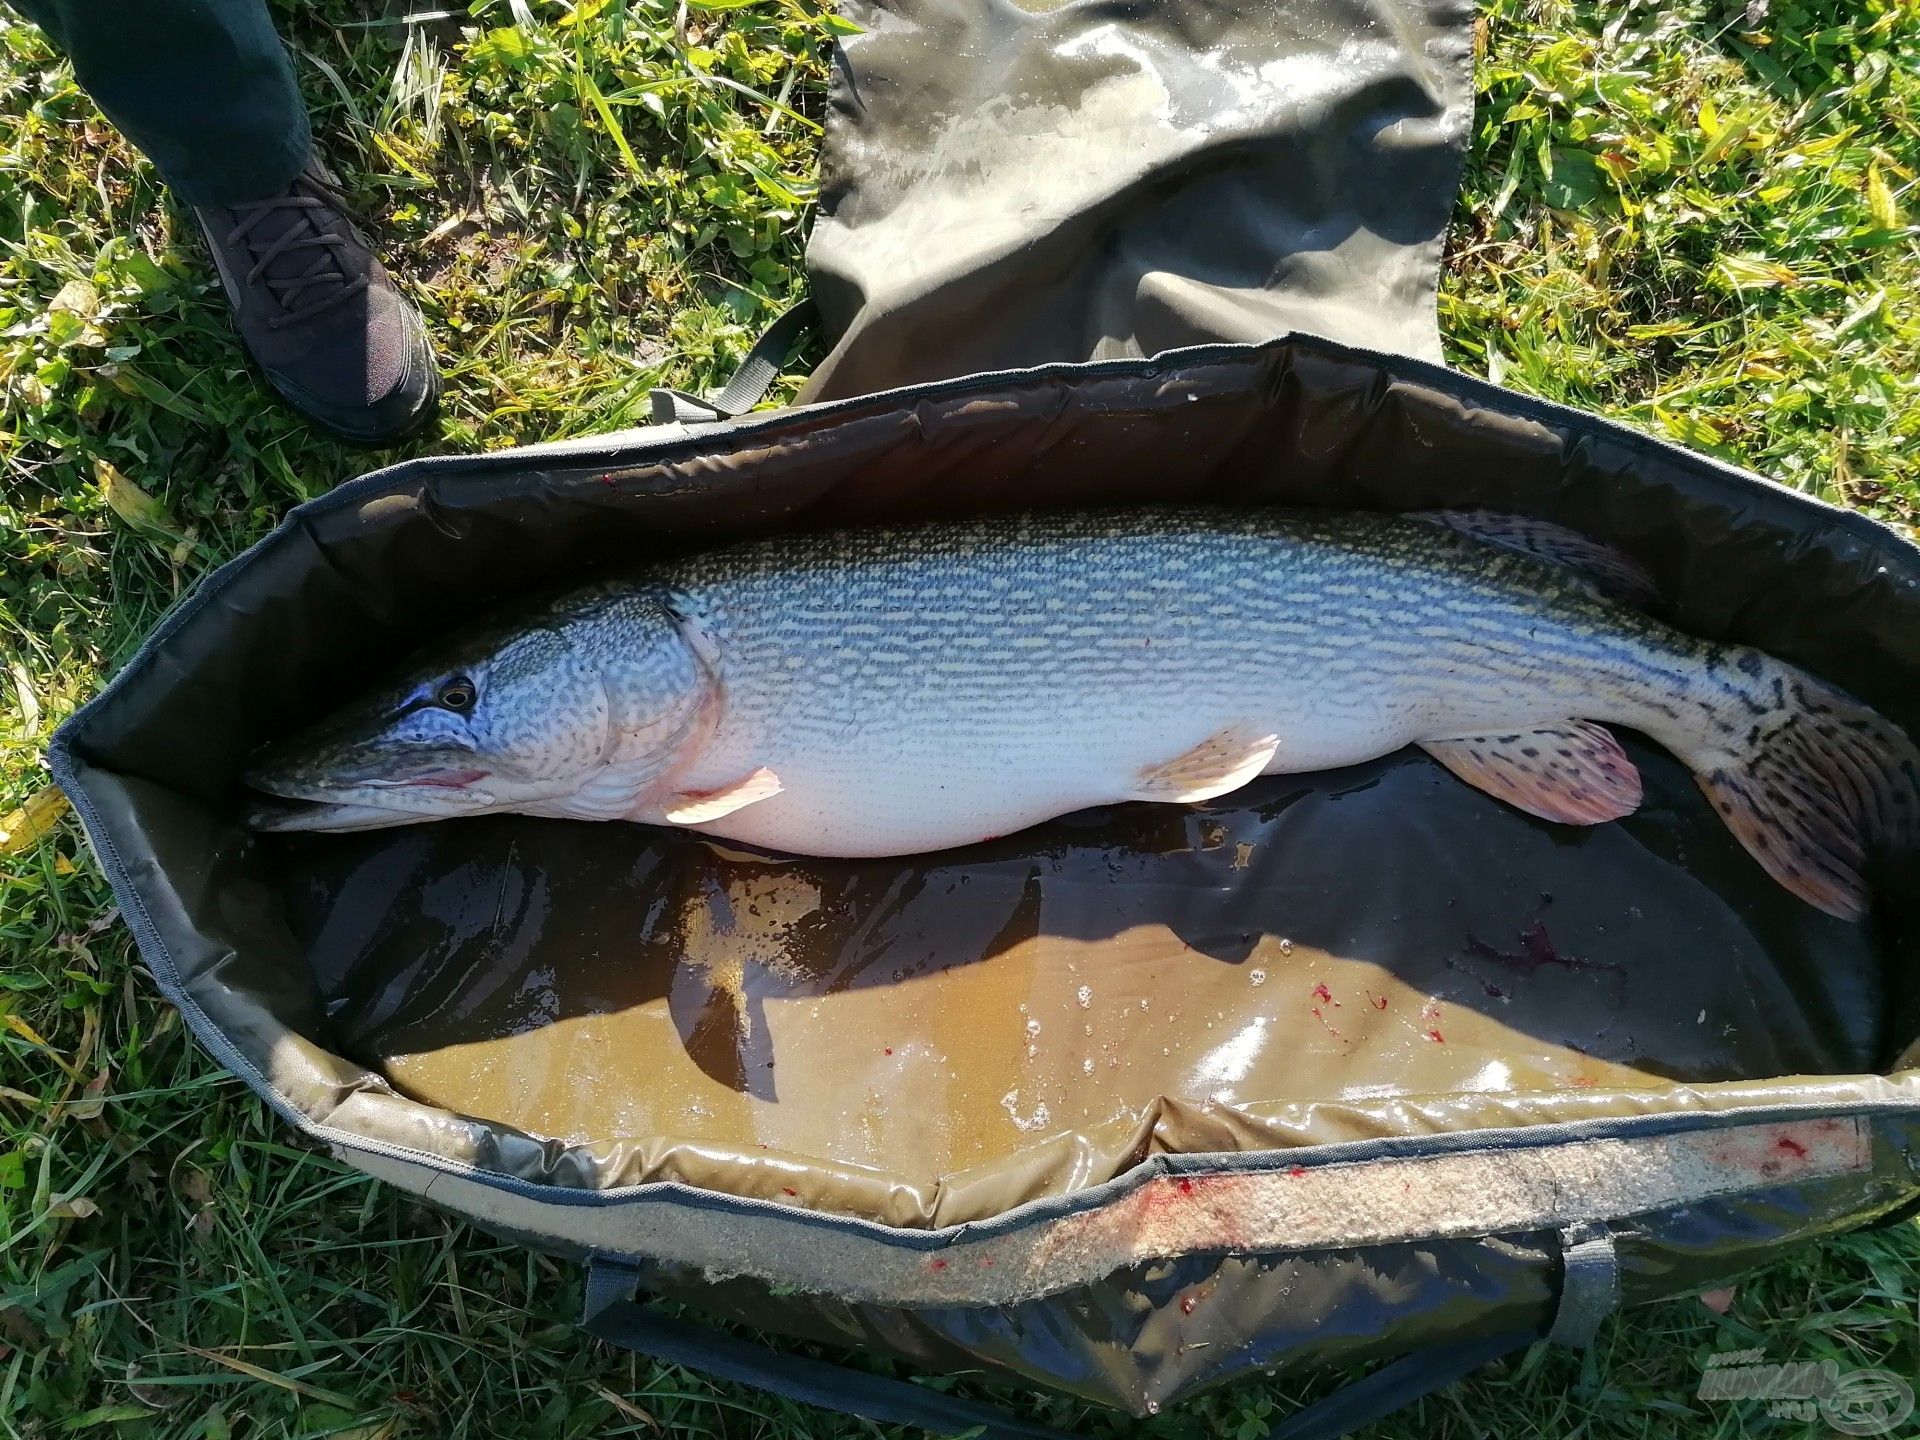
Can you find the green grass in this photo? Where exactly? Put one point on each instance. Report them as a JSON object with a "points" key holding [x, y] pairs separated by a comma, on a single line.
{"points": [[1692, 216]]}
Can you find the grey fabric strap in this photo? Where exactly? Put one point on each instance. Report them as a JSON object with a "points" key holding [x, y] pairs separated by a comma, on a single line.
{"points": [[1589, 1284], [750, 382]]}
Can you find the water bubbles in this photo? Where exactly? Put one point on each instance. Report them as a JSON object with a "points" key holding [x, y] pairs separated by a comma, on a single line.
{"points": [[1084, 996], [1286, 946], [1010, 1102], [1257, 977]]}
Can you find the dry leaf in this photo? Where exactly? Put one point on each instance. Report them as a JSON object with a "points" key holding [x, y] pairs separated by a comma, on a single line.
{"points": [[1718, 1301], [155, 1397], [24, 698], [1880, 201], [33, 1037], [1753, 272], [196, 1187], [33, 821], [77, 297], [72, 1207], [626, 1407], [128, 500], [90, 1103]]}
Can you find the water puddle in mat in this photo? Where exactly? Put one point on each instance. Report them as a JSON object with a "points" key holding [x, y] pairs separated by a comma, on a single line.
{"points": [[1376, 934]]}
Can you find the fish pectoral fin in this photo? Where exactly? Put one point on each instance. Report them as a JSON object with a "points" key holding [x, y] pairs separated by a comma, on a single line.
{"points": [[1223, 761], [1574, 772], [696, 807]]}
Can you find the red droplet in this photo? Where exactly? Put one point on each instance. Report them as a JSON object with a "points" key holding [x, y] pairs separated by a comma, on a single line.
{"points": [[1186, 1186], [936, 1265], [986, 1262], [606, 480], [1186, 1304], [1296, 1171], [1320, 992], [889, 1049], [1786, 1144], [1379, 1002], [1436, 1037], [788, 1190]]}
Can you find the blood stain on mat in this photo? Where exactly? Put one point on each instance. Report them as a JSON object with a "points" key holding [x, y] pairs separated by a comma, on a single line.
{"points": [[1787, 1145], [1187, 1302], [1185, 1186], [1321, 992], [936, 1265], [1327, 1024], [889, 1049], [1537, 951], [1296, 1171], [1379, 1002], [788, 1190], [1436, 1037]]}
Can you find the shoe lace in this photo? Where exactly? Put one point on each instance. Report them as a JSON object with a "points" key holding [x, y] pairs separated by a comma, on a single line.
{"points": [[310, 204]]}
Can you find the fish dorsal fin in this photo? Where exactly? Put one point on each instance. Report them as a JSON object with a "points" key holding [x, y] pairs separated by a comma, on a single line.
{"points": [[697, 807], [1225, 760], [1574, 772], [1606, 571]]}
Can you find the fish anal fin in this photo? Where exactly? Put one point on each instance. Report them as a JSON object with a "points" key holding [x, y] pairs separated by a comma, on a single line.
{"points": [[1574, 772], [1612, 573], [1224, 761], [697, 807]]}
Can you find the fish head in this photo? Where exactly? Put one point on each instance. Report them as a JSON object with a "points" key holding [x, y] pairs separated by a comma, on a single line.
{"points": [[575, 712]]}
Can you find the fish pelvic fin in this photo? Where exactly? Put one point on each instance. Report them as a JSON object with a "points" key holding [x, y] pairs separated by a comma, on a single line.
{"points": [[1224, 761], [1817, 784], [697, 807], [1600, 568], [1574, 771]]}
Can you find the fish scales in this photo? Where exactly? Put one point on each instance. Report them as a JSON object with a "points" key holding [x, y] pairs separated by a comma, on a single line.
{"points": [[892, 690]]}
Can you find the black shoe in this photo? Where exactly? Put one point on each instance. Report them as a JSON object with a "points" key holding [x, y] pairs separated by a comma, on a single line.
{"points": [[319, 315]]}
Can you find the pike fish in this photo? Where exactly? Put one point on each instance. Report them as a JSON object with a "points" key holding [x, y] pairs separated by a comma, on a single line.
{"points": [[889, 691]]}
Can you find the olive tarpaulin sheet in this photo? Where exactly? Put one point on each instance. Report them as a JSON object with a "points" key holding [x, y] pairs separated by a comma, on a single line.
{"points": [[1149, 1097], [1005, 184]]}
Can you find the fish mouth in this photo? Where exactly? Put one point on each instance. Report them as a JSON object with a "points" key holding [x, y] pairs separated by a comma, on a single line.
{"points": [[291, 804], [279, 815]]}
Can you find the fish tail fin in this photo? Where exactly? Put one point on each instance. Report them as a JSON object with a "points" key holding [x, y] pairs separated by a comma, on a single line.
{"points": [[1817, 784]]}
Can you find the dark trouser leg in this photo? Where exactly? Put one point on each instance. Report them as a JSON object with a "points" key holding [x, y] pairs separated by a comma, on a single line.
{"points": [[203, 87]]}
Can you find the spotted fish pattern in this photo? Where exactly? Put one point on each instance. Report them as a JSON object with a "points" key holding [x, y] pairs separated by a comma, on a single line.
{"points": [[893, 690]]}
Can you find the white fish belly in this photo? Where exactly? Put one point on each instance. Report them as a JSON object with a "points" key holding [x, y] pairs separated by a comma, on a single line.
{"points": [[907, 793], [979, 681]]}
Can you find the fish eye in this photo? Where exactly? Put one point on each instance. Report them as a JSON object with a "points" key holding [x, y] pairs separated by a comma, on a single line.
{"points": [[457, 695]]}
